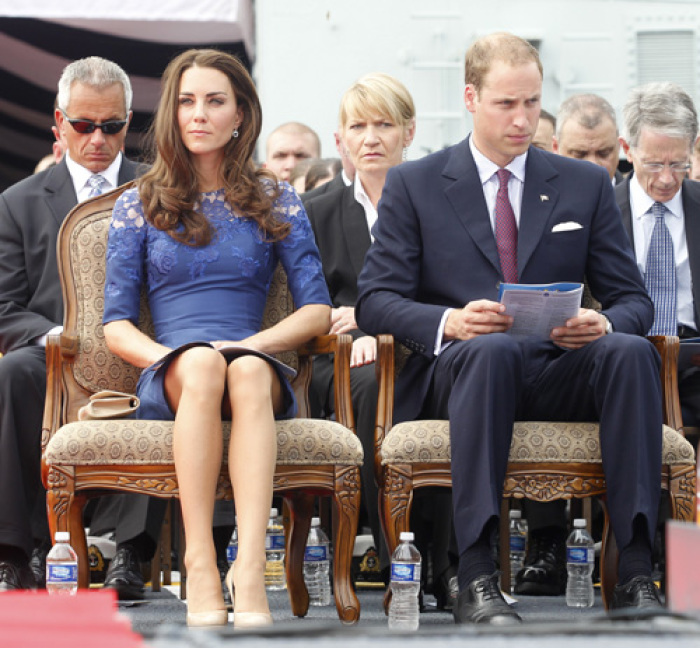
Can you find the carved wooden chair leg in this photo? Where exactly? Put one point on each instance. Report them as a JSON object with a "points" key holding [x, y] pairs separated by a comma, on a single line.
{"points": [[398, 484], [300, 507], [347, 507], [77, 538]]}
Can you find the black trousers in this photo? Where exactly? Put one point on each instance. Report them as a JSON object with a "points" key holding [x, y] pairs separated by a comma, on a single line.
{"points": [[485, 384], [363, 385], [22, 496]]}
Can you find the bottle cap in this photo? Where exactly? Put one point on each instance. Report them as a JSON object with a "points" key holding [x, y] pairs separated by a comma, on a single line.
{"points": [[515, 514], [406, 536], [315, 522], [62, 536], [273, 512], [579, 523]]}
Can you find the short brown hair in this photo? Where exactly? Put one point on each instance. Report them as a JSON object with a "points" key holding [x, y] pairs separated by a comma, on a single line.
{"points": [[500, 46]]}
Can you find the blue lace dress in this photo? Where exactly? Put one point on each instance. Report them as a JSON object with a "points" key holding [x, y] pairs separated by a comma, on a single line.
{"points": [[202, 294]]}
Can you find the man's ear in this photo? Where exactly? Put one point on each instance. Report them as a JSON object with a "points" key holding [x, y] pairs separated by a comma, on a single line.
{"points": [[626, 148], [470, 97]]}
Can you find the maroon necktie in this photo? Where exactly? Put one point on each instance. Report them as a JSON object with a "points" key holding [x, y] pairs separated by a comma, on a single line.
{"points": [[506, 230]]}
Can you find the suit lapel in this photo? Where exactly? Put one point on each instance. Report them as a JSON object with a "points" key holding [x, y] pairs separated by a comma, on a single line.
{"points": [[538, 202], [466, 196], [691, 214], [355, 230], [60, 193], [622, 197]]}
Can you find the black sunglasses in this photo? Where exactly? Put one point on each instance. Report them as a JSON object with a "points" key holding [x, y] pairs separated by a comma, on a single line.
{"points": [[85, 126]]}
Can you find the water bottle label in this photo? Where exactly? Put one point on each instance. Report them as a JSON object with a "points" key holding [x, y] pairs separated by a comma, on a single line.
{"points": [[62, 573], [316, 553], [274, 542], [517, 543], [405, 573], [580, 555], [231, 553]]}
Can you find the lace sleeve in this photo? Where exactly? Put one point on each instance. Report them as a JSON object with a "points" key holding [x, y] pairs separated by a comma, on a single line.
{"points": [[126, 249], [298, 252]]}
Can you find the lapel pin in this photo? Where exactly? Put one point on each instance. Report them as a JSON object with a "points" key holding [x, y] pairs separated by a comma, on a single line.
{"points": [[544, 198]]}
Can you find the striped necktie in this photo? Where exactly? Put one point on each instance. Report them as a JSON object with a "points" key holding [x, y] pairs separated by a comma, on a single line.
{"points": [[660, 275]]}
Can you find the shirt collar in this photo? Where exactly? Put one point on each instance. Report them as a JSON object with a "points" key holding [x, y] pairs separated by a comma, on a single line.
{"points": [[487, 168], [81, 175], [641, 202]]}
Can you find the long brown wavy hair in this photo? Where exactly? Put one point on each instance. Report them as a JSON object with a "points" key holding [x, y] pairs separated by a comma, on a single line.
{"points": [[169, 189]]}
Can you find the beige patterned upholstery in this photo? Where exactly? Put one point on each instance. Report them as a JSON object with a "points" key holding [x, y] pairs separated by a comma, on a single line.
{"points": [[533, 442], [85, 459], [134, 442]]}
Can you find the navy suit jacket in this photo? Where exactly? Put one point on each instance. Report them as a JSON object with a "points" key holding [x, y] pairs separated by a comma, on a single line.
{"points": [[690, 195], [31, 213], [435, 248]]}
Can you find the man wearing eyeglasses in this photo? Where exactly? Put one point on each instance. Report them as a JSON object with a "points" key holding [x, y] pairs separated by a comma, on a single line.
{"points": [[660, 211], [92, 115]]}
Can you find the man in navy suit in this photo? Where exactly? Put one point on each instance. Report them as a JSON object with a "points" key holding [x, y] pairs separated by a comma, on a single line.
{"points": [[431, 279], [661, 126]]}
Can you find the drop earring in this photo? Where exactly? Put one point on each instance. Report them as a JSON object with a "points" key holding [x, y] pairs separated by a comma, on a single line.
{"points": [[404, 156], [235, 133]]}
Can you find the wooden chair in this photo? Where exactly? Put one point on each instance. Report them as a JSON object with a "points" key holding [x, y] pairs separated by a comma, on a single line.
{"points": [[87, 459], [548, 461]]}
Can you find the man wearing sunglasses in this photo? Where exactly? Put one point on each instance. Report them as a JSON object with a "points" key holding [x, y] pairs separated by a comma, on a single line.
{"points": [[92, 115]]}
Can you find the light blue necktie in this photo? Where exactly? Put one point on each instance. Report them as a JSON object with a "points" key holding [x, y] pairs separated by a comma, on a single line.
{"points": [[97, 185], [660, 276]]}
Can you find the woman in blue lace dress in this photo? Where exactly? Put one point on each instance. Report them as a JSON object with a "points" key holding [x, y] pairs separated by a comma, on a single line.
{"points": [[203, 231]]}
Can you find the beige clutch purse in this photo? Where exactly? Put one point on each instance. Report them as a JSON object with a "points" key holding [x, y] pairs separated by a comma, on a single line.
{"points": [[108, 404]]}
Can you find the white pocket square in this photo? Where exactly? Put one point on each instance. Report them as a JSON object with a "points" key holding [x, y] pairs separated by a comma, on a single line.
{"points": [[567, 227]]}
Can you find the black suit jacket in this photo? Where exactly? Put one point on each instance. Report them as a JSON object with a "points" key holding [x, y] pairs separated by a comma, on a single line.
{"points": [[342, 237], [331, 185], [31, 213], [690, 195]]}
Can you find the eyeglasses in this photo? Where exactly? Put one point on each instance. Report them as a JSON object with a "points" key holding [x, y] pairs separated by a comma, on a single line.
{"points": [[677, 168], [85, 126]]}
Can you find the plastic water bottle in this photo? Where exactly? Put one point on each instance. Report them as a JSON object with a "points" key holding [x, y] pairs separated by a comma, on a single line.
{"points": [[405, 585], [274, 546], [62, 567], [580, 554], [518, 539], [317, 565], [232, 549]]}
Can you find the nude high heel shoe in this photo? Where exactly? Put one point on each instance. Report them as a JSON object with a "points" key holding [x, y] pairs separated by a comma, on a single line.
{"points": [[245, 619], [211, 618], [207, 619]]}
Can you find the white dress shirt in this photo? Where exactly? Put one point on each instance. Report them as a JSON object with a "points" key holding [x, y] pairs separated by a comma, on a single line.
{"points": [[81, 176], [489, 183], [642, 227]]}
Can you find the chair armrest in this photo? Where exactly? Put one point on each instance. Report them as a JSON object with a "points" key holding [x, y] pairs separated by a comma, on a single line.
{"points": [[668, 347], [385, 399], [341, 347]]}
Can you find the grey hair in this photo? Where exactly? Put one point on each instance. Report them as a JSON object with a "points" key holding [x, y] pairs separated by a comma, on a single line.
{"points": [[95, 72], [589, 110], [664, 108]]}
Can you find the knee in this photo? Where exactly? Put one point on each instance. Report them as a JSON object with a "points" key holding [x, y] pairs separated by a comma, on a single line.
{"points": [[495, 347], [249, 376], [632, 350], [203, 369]]}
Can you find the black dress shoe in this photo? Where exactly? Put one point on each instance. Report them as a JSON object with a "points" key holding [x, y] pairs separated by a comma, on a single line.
{"points": [[37, 563], [447, 589], [124, 575], [544, 571], [640, 593], [223, 567], [15, 577], [482, 602]]}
